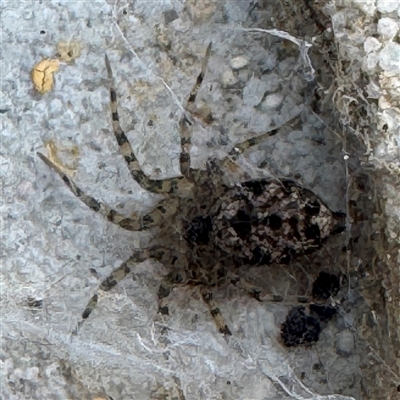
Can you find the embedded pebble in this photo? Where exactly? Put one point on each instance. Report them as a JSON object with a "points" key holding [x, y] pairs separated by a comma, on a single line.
{"points": [[239, 62], [254, 92], [390, 57], [366, 6], [228, 78], [371, 61], [387, 28], [387, 6], [273, 100], [372, 44], [345, 343]]}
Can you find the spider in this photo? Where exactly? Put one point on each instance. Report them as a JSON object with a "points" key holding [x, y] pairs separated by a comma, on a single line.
{"points": [[216, 228]]}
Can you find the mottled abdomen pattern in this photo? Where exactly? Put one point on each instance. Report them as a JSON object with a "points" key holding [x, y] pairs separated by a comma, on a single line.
{"points": [[263, 222]]}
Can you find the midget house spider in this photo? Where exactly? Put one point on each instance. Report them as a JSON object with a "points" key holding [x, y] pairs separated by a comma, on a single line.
{"points": [[216, 229]]}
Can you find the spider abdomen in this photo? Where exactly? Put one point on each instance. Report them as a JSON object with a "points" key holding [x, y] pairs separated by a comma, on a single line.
{"points": [[262, 222]]}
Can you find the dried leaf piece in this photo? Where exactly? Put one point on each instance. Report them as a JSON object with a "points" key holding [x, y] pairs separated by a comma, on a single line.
{"points": [[69, 160], [42, 75], [68, 51]]}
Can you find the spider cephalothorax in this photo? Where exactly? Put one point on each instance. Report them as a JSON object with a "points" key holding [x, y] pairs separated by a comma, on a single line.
{"points": [[204, 230]]}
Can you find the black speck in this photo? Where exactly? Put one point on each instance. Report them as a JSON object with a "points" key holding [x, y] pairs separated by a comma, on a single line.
{"points": [[318, 366], [42, 32], [163, 292], [34, 303], [162, 209], [163, 310], [148, 219]]}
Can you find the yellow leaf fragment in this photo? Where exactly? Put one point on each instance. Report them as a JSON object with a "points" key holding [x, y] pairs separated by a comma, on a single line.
{"points": [[42, 75]]}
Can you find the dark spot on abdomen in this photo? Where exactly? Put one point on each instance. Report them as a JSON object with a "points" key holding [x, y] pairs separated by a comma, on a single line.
{"points": [[293, 225], [312, 232], [313, 208], [274, 221], [241, 223]]}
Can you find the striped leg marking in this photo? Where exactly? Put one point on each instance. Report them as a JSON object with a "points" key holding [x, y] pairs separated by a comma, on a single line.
{"points": [[183, 124], [132, 223], [152, 185], [112, 280], [215, 312], [240, 148]]}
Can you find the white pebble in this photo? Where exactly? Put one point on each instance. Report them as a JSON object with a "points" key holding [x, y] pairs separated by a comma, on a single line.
{"points": [[387, 6], [388, 27], [390, 57], [371, 44], [254, 92], [273, 100], [367, 6], [228, 78], [239, 62]]}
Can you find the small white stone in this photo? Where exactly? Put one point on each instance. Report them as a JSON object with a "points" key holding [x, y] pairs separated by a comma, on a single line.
{"points": [[32, 374], [273, 100], [372, 61], [387, 6], [388, 27], [228, 78], [383, 103], [367, 6], [390, 57], [254, 91], [345, 343], [371, 44], [239, 62]]}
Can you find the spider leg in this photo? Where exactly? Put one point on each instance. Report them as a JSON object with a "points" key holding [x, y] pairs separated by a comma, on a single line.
{"points": [[274, 298], [112, 280], [240, 148], [215, 312], [167, 286], [132, 223], [184, 122], [152, 185]]}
